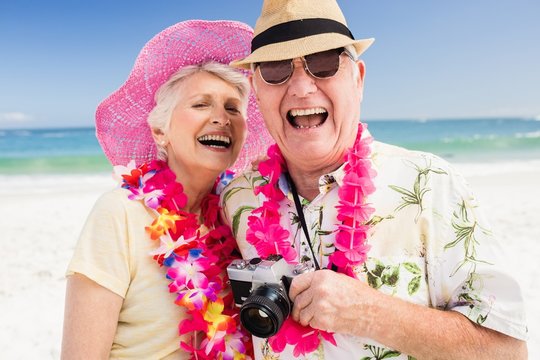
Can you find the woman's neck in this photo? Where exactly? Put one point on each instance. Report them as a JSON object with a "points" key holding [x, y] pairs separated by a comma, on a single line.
{"points": [[196, 187]]}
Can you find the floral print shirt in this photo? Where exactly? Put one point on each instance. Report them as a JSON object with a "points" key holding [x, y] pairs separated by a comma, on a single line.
{"points": [[430, 245]]}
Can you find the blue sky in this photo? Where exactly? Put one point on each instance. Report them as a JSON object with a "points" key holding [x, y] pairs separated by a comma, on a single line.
{"points": [[431, 59]]}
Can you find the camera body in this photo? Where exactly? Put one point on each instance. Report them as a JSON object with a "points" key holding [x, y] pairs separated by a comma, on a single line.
{"points": [[260, 288]]}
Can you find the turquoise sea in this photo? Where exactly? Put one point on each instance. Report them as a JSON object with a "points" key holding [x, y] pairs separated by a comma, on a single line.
{"points": [[76, 150]]}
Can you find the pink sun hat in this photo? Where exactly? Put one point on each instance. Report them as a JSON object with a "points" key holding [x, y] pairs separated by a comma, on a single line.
{"points": [[121, 119]]}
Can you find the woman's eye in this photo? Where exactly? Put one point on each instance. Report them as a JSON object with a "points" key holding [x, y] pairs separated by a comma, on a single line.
{"points": [[233, 109], [200, 105]]}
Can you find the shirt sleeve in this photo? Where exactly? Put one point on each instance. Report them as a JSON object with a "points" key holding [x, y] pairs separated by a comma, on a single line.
{"points": [[237, 202], [467, 271], [102, 251]]}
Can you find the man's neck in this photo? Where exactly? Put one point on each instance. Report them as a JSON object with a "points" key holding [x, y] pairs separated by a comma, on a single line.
{"points": [[307, 180]]}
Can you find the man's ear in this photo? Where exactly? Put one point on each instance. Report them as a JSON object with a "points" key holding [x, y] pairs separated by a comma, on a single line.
{"points": [[361, 71], [361, 75]]}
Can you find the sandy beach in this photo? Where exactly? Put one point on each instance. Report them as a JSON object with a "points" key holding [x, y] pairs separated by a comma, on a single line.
{"points": [[41, 216]]}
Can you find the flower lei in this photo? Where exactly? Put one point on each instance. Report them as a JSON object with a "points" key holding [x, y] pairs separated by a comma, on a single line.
{"points": [[269, 238], [194, 261]]}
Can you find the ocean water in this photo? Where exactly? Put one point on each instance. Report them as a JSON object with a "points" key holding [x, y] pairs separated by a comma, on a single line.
{"points": [[76, 150]]}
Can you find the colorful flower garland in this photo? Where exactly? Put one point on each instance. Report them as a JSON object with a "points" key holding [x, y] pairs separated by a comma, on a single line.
{"points": [[196, 260], [269, 238]]}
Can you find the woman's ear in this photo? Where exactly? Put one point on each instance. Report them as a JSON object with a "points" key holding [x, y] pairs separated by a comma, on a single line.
{"points": [[159, 137]]}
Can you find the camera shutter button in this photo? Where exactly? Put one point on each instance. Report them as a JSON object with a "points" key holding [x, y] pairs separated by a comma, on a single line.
{"points": [[253, 263]]}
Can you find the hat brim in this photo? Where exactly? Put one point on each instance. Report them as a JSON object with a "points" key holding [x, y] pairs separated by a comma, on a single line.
{"points": [[300, 47]]}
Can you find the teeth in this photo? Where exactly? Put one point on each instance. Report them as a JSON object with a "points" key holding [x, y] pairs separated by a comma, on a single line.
{"points": [[307, 127], [221, 138], [304, 112]]}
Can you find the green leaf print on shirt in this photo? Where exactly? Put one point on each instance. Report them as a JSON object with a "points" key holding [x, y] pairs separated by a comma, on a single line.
{"points": [[378, 353], [236, 218], [267, 352], [388, 275], [252, 181], [321, 246], [465, 228], [415, 196]]}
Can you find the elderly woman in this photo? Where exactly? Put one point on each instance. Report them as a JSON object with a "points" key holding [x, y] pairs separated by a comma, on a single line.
{"points": [[150, 262]]}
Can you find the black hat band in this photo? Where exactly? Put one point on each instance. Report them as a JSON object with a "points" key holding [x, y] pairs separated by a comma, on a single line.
{"points": [[297, 29]]}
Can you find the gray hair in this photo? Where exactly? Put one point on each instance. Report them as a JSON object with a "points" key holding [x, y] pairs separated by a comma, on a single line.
{"points": [[352, 50], [166, 97]]}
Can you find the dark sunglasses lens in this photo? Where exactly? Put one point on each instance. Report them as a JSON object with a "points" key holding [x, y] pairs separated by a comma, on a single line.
{"points": [[323, 64], [275, 72]]}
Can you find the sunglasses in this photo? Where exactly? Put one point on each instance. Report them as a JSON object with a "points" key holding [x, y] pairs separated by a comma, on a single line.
{"points": [[321, 65]]}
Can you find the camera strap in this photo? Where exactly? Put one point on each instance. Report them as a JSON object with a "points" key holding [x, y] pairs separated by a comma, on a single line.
{"points": [[300, 212]]}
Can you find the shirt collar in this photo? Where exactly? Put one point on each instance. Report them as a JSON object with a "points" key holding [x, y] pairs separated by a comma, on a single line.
{"points": [[326, 181]]}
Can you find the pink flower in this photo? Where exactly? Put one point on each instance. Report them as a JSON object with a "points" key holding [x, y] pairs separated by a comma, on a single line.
{"points": [[210, 207], [173, 196], [271, 169], [350, 237], [271, 191], [352, 257], [196, 323], [191, 299], [269, 238], [355, 188], [234, 345], [189, 272], [305, 339]]}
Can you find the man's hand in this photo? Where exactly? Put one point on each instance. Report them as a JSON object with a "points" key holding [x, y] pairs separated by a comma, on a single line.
{"points": [[337, 303], [333, 302]]}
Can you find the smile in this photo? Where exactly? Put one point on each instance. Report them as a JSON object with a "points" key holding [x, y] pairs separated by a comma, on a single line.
{"points": [[310, 118], [215, 141]]}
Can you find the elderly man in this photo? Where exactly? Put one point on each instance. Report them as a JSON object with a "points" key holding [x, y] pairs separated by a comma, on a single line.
{"points": [[407, 266]]}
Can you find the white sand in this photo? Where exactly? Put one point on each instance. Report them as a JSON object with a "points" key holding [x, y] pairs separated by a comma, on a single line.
{"points": [[40, 219]]}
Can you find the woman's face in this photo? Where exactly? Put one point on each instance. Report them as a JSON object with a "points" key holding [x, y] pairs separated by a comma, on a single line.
{"points": [[207, 128]]}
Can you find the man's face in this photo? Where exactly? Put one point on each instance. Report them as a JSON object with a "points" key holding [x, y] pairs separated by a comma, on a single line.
{"points": [[312, 120]]}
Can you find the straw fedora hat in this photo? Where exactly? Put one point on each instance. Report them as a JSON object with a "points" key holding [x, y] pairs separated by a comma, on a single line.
{"points": [[287, 29]]}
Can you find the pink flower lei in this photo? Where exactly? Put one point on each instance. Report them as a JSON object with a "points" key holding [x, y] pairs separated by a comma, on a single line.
{"points": [[195, 261], [269, 238]]}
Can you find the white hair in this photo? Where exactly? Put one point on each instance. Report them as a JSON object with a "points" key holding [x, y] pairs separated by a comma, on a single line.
{"points": [[166, 97], [354, 58]]}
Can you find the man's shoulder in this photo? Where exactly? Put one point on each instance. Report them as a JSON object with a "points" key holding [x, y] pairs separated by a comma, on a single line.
{"points": [[241, 188], [247, 179]]}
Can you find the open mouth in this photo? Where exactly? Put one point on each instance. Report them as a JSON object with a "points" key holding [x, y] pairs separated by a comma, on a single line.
{"points": [[215, 141], [307, 118]]}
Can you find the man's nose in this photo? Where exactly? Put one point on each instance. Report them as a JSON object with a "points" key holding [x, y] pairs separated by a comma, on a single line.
{"points": [[301, 84]]}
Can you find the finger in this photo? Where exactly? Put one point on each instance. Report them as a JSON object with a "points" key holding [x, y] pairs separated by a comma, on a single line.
{"points": [[299, 284], [306, 315], [303, 300]]}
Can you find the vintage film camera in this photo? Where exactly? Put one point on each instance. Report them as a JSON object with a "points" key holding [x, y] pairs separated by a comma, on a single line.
{"points": [[260, 288]]}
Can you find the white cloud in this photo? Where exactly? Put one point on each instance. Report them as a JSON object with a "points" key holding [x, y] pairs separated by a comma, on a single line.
{"points": [[15, 117]]}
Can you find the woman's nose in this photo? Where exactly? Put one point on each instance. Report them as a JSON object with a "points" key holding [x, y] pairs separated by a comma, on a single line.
{"points": [[220, 117]]}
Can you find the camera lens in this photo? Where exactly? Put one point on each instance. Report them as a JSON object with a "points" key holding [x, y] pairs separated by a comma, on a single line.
{"points": [[263, 312]]}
